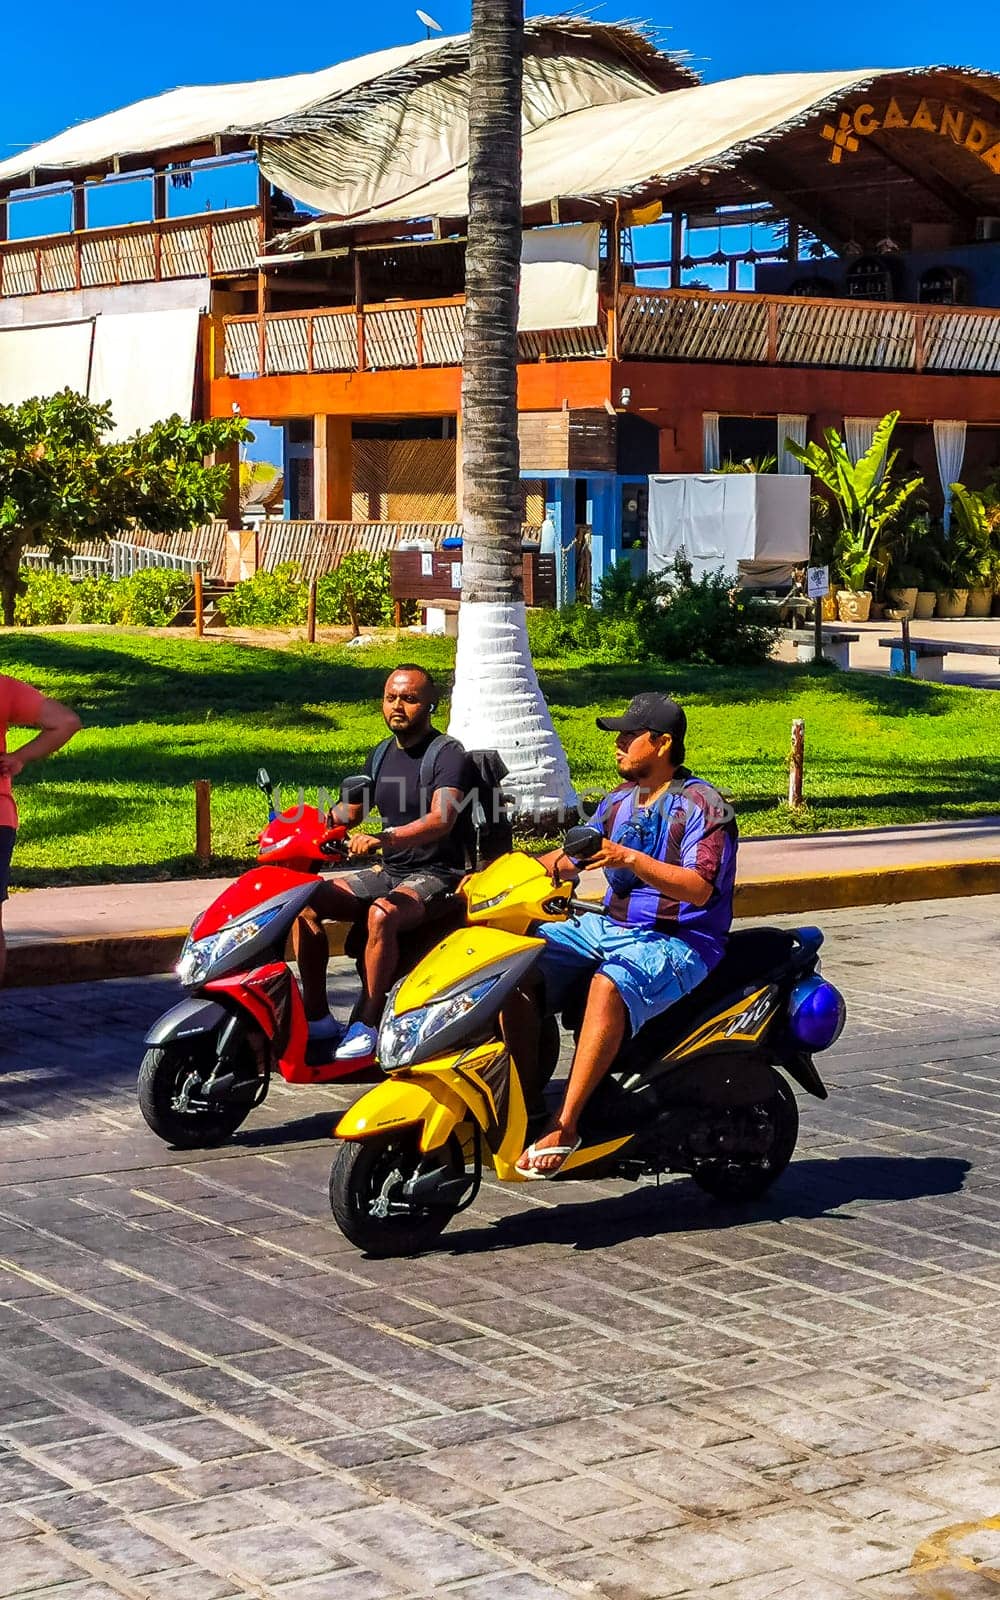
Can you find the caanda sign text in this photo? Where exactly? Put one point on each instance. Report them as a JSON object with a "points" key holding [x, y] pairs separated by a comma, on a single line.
{"points": [[948, 122]]}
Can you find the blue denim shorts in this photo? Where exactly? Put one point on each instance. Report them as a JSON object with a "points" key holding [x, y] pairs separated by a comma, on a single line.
{"points": [[7, 837], [650, 970]]}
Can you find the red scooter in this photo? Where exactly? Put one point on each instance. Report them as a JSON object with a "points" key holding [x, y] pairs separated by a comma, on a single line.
{"points": [[209, 1060]]}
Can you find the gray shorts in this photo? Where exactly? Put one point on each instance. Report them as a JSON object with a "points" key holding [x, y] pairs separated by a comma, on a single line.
{"points": [[368, 884], [7, 837]]}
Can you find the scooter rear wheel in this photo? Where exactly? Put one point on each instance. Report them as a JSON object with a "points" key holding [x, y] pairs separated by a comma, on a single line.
{"points": [[367, 1174], [738, 1177], [162, 1077]]}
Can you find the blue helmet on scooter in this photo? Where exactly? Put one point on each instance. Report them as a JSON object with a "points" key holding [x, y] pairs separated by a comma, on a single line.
{"points": [[816, 1013]]}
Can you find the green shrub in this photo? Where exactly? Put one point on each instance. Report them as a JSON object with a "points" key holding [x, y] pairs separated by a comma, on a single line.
{"points": [[662, 616], [360, 585], [46, 598], [152, 598], [268, 599], [148, 599], [97, 600], [280, 598]]}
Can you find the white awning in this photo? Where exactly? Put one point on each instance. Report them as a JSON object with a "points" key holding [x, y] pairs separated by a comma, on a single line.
{"points": [[628, 148], [143, 363], [43, 360], [559, 278], [202, 112]]}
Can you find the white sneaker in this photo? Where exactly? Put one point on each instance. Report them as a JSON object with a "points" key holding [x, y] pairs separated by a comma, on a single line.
{"points": [[328, 1029], [358, 1043]]}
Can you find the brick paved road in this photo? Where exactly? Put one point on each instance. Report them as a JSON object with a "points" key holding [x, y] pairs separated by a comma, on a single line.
{"points": [[629, 1394]]}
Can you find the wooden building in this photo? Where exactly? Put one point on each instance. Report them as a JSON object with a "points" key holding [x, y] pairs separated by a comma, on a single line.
{"points": [[333, 303]]}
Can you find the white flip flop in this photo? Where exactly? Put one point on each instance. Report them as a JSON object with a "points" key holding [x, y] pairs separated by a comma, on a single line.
{"points": [[563, 1150]]}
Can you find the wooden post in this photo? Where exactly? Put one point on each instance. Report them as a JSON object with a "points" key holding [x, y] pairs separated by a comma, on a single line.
{"points": [[795, 764], [199, 605], [203, 821], [905, 625], [311, 613]]}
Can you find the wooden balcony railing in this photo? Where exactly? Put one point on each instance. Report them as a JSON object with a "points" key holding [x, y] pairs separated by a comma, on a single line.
{"points": [[140, 252], [380, 338], [697, 325], [691, 325]]}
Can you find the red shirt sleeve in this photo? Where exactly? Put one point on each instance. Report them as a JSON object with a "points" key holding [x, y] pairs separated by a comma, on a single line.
{"points": [[20, 704]]}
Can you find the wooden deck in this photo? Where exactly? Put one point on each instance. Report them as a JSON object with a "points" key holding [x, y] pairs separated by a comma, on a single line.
{"points": [[225, 243], [663, 325]]}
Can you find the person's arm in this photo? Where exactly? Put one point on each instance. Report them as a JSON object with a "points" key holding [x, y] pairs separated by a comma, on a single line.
{"points": [[56, 723], [438, 823], [680, 883], [692, 879]]}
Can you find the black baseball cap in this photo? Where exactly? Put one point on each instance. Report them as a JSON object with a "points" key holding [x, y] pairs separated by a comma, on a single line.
{"points": [[652, 713]]}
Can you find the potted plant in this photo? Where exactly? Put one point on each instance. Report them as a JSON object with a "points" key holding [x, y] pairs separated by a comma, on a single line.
{"points": [[980, 558], [909, 558], [866, 500]]}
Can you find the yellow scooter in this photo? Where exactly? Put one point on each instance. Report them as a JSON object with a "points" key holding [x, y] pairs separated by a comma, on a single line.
{"points": [[694, 1091]]}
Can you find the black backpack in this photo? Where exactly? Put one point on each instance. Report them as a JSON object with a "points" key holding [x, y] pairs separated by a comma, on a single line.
{"points": [[484, 826]]}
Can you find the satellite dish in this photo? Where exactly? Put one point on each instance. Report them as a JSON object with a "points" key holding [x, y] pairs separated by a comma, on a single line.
{"points": [[429, 23]]}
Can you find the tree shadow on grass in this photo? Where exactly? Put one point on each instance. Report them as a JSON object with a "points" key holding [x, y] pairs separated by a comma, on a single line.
{"points": [[808, 1189]]}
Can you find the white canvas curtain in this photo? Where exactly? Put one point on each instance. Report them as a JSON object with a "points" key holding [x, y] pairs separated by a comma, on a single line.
{"points": [[791, 427], [559, 277], [949, 447], [710, 435], [144, 363], [858, 435], [41, 361]]}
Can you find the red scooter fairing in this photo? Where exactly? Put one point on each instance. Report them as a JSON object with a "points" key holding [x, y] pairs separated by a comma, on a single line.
{"points": [[252, 889], [299, 838]]}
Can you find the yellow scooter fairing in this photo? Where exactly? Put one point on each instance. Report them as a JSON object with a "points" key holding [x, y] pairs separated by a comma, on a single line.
{"points": [[515, 892], [434, 1107], [439, 1095], [461, 957]]}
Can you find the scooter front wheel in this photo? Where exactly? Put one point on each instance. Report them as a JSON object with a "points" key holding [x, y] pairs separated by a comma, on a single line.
{"points": [[367, 1180], [170, 1079]]}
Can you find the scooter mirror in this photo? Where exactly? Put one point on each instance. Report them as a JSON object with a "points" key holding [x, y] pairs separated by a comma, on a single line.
{"points": [[582, 843], [263, 780], [355, 790]]}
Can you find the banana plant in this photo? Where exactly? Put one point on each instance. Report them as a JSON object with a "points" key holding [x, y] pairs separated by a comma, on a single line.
{"points": [[863, 491], [977, 548]]}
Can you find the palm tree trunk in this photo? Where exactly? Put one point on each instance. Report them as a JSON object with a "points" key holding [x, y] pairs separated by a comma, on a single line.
{"points": [[497, 702]]}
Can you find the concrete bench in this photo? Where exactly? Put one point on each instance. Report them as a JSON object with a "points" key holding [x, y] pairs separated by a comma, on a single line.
{"points": [[927, 655], [836, 648]]}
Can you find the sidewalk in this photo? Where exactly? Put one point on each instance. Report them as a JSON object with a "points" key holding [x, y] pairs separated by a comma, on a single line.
{"points": [[971, 672], [130, 929]]}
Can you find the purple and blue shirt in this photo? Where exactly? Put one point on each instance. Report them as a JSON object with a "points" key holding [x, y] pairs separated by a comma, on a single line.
{"points": [[688, 826]]}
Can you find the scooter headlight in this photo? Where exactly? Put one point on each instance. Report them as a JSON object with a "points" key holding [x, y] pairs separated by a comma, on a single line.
{"points": [[403, 1037], [200, 956]]}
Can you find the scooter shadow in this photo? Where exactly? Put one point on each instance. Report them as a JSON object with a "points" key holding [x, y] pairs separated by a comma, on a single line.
{"points": [[808, 1189]]}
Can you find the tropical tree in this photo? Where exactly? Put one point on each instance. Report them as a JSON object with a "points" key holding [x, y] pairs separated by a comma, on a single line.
{"points": [[864, 493], [497, 703], [62, 479]]}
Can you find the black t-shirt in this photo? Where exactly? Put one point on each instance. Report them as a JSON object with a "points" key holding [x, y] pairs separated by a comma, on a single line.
{"points": [[399, 800]]}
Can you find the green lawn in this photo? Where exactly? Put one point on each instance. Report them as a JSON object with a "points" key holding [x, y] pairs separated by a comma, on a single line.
{"points": [[159, 713]]}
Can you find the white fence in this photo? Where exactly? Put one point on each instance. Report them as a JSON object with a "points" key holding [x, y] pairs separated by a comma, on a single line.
{"points": [[129, 558]]}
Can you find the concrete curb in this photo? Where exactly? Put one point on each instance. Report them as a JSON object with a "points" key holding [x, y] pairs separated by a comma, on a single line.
{"points": [[137, 955]]}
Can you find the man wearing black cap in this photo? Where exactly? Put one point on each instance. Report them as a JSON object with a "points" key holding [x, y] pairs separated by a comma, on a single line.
{"points": [[669, 857]]}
